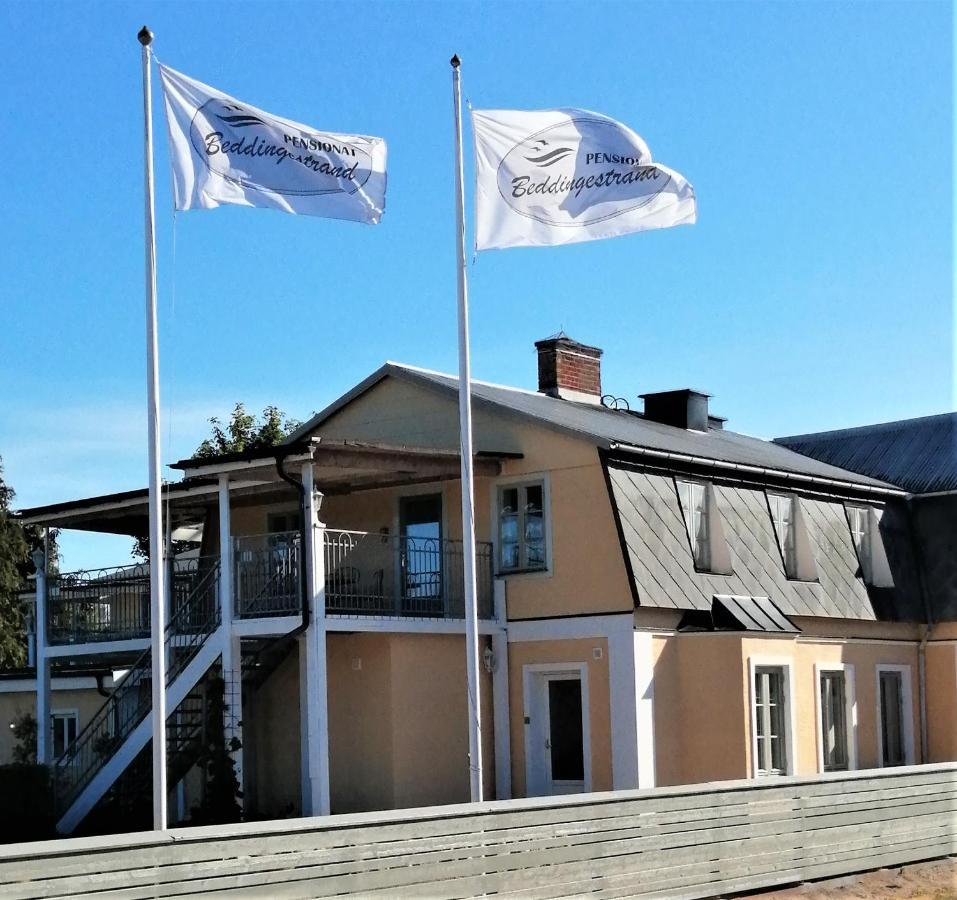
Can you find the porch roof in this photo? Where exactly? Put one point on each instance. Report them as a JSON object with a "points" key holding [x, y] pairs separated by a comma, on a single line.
{"points": [[339, 467]]}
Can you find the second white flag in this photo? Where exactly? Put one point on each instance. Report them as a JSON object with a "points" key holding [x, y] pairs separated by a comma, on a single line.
{"points": [[566, 175]]}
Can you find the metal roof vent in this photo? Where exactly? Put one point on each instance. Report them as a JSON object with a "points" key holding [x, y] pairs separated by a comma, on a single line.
{"points": [[684, 408]]}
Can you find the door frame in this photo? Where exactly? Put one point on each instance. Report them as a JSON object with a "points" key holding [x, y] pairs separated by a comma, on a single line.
{"points": [[534, 679]]}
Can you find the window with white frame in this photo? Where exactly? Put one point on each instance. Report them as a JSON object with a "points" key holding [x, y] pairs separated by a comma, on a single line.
{"points": [[693, 497], [770, 720], [521, 527], [64, 726], [858, 518], [835, 745], [782, 517]]}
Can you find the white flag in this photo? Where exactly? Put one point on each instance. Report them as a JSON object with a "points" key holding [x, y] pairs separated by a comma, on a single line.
{"points": [[225, 151], [560, 176]]}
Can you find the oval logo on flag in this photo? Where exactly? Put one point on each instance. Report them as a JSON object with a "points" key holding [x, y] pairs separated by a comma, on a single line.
{"points": [[248, 149], [579, 172]]}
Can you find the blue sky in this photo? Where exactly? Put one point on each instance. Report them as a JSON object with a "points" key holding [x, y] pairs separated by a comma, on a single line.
{"points": [[815, 291]]}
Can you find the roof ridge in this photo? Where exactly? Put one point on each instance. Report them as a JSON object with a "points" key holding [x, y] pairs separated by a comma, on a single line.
{"points": [[860, 429]]}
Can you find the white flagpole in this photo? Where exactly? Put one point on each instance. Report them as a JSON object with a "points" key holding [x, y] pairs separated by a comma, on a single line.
{"points": [[468, 486], [158, 613]]}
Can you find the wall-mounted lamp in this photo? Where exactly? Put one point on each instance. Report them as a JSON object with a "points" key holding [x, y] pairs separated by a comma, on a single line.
{"points": [[488, 658]]}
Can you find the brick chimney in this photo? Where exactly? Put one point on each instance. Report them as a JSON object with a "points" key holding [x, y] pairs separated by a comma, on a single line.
{"points": [[569, 370]]}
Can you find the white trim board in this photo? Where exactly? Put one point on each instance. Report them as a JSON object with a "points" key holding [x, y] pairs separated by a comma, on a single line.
{"points": [[597, 626], [29, 685]]}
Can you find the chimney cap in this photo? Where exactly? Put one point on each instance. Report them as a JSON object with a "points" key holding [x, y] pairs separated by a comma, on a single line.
{"points": [[563, 340], [675, 393]]}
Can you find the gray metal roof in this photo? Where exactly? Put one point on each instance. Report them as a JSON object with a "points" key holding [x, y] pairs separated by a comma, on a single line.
{"points": [[609, 427], [756, 614], [659, 557], [919, 455]]}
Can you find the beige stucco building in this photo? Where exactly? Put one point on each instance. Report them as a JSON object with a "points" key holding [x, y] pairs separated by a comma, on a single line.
{"points": [[661, 601]]}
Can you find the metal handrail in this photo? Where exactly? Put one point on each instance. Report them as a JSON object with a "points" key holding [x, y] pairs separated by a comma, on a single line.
{"points": [[189, 627]]}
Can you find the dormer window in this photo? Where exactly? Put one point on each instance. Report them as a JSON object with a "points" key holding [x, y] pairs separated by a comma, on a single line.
{"points": [[782, 517], [859, 517], [703, 525], [787, 518], [694, 507]]}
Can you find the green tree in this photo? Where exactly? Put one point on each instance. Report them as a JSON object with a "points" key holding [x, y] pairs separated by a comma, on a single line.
{"points": [[246, 432]]}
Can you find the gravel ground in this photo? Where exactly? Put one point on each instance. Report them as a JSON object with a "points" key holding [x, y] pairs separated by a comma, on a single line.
{"points": [[923, 881]]}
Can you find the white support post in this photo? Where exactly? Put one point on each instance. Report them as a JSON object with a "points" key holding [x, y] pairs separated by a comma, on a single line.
{"points": [[623, 687], [225, 552], [231, 646], [44, 735], [500, 709], [316, 788], [645, 708]]}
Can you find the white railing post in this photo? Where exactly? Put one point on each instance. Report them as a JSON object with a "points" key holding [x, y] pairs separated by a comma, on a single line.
{"points": [[44, 732], [231, 644], [313, 681], [500, 709]]}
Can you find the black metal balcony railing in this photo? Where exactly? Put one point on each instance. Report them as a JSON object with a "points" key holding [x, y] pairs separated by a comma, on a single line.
{"points": [[267, 570], [193, 620], [398, 575], [112, 604]]}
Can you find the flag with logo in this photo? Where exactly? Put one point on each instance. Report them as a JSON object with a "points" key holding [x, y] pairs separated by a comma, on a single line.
{"points": [[566, 175], [226, 151]]}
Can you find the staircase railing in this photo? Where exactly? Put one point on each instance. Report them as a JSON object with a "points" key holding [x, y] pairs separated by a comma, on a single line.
{"points": [[195, 619]]}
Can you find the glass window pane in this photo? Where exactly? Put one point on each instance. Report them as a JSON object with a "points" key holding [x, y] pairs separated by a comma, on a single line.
{"points": [[769, 720], [834, 721], [892, 718]]}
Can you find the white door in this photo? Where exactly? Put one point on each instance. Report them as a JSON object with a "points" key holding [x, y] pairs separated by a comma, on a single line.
{"points": [[557, 732]]}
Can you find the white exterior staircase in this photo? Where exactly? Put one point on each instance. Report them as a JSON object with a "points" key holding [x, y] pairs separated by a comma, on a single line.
{"points": [[195, 638]]}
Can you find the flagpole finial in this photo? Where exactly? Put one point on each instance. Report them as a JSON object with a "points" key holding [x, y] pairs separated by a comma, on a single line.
{"points": [[456, 62], [145, 36]]}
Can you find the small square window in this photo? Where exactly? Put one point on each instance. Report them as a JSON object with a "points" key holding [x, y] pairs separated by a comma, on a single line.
{"points": [[522, 527]]}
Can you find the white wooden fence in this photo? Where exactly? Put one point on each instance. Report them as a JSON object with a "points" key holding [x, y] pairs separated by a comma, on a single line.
{"points": [[688, 842]]}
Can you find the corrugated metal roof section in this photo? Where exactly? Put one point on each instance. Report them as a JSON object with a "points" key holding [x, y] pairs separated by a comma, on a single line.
{"points": [[919, 455], [657, 548], [756, 614], [617, 426]]}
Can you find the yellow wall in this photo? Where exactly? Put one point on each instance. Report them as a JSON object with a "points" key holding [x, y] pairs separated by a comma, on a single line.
{"points": [[273, 736], [942, 702], [599, 706], [588, 572], [398, 727], [85, 701], [702, 699]]}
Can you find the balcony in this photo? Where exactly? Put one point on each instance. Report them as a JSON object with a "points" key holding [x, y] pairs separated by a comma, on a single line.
{"points": [[113, 604], [366, 575], [395, 575]]}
